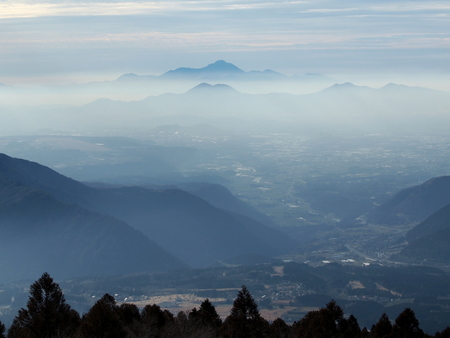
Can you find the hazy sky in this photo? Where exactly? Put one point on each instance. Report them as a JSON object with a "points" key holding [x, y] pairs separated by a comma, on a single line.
{"points": [[63, 41]]}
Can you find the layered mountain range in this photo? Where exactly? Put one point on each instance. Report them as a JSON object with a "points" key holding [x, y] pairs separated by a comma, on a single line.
{"points": [[224, 71], [52, 223], [133, 87], [429, 241], [427, 204], [344, 108], [414, 204]]}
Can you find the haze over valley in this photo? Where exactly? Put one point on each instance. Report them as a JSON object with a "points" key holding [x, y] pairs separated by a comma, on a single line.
{"points": [[216, 178], [169, 153]]}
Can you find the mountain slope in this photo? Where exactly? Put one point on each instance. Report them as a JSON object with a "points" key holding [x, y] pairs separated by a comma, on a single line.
{"points": [[206, 88], [414, 204], [185, 225], [220, 197], [438, 221], [219, 69], [40, 177], [344, 108], [430, 240], [40, 233]]}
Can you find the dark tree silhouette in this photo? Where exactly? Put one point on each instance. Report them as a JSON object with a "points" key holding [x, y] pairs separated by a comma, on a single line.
{"points": [[382, 328], [349, 328], [204, 322], [444, 333], [103, 320], [326, 322], [128, 313], [154, 320], [46, 315], [279, 329], [244, 319], [130, 317], [365, 333], [406, 325], [244, 306], [207, 314], [2, 330]]}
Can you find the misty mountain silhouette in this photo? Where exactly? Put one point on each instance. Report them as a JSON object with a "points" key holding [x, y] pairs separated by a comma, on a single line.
{"points": [[40, 233], [429, 241], [189, 227], [185, 225], [130, 77], [348, 88], [220, 197], [216, 68], [414, 204], [206, 88], [436, 222], [224, 70], [341, 109]]}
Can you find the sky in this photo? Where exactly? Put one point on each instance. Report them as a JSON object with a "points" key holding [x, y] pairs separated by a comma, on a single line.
{"points": [[81, 41]]}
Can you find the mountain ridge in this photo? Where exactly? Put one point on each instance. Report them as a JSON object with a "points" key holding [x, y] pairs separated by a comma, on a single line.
{"points": [[185, 225], [224, 70], [40, 233], [429, 241], [414, 204], [217, 68]]}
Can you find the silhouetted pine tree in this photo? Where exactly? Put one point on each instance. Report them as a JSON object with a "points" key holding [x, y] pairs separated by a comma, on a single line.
{"points": [[279, 329], [365, 333], [208, 315], [406, 325], [245, 320], [130, 317], [187, 327], [154, 320], [349, 328], [2, 330], [103, 320], [326, 322], [444, 333], [382, 328], [47, 315], [204, 322]]}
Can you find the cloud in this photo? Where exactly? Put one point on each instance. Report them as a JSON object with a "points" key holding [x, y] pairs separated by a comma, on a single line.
{"points": [[117, 31], [13, 9]]}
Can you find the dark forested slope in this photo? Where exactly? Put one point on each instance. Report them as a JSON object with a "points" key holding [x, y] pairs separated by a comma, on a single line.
{"points": [[185, 225], [429, 241], [414, 204], [40, 233], [188, 226]]}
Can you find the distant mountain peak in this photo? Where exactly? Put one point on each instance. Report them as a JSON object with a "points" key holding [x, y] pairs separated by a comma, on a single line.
{"points": [[347, 86], [340, 86], [405, 88], [206, 87], [395, 86], [127, 77], [414, 204], [221, 70], [218, 67], [222, 66], [134, 77]]}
